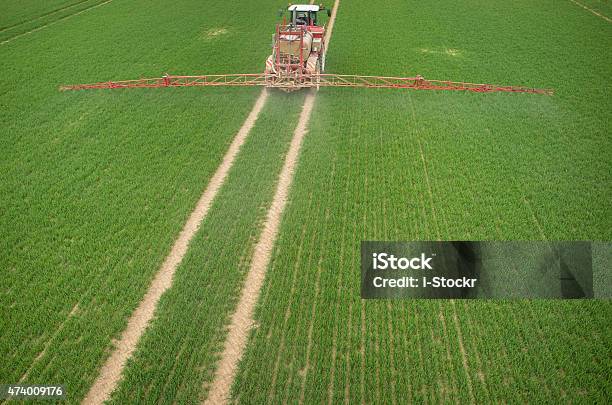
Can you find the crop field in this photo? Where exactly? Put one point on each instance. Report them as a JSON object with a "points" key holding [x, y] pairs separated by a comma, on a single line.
{"points": [[225, 243], [600, 8], [20, 18], [96, 187], [409, 166]]}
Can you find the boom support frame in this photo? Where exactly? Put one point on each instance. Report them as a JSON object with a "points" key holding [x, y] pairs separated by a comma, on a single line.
{"points": [[306, 81]]}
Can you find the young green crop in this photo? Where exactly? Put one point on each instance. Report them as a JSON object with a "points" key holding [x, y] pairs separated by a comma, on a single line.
{"points": [[598, 8], [96, 185], [17, 12], [391, 165], [178, 354], [21, 17]]}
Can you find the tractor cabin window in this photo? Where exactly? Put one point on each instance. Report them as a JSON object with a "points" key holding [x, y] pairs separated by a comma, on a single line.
{"points": [[305, 18]]}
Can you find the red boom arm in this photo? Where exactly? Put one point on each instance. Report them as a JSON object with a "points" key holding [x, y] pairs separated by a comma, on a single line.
{"points": [[325, 80]]}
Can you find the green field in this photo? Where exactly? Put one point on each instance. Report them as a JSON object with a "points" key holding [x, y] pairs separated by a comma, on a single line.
{"points": [[190, 326], [409, 166], [21, 18], [97, 185], [603, 7], [17, 12]]}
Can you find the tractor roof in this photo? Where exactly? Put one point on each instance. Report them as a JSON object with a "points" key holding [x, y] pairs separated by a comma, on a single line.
{"points": [[303, 7]]}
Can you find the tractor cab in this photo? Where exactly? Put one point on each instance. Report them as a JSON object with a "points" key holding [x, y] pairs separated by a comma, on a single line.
{"points": [[304, 14]]}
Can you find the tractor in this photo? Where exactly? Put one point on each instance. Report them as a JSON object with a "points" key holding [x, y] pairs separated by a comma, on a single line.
{"points": [[298, 49]]}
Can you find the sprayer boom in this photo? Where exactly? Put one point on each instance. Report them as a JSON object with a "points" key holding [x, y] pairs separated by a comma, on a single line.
{"points": [[306, 81]]}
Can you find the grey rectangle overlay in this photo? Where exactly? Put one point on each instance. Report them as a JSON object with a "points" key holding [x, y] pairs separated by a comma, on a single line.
{"points": [[483, 269]]}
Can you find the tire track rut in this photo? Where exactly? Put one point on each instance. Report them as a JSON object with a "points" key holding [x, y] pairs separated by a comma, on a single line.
{"points": [[111, 371], [242, 319]]}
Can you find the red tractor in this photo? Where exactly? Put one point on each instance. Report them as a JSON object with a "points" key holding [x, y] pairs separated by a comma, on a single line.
{"points": [[298, 49]]}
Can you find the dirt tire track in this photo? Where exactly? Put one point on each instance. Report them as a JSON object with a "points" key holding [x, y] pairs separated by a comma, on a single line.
{"points": [[242, 319], [111, 371], [592, 11]]}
